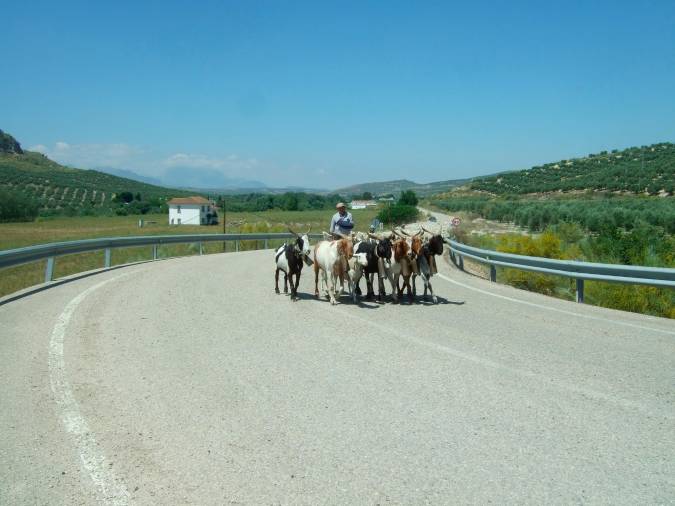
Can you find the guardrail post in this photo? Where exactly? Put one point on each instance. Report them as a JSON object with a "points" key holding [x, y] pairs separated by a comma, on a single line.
{"points": [[107, 258], [49, 270], [493, 273], [580, 291], [201, 248], [461, 263], [266, 244], [236, 246], [154, 252]]}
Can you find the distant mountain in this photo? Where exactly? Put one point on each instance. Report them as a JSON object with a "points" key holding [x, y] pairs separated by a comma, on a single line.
{"points": [[397, 186], [265, 190], [646, 169], [190, 177], [128, 174], [195, 180]]}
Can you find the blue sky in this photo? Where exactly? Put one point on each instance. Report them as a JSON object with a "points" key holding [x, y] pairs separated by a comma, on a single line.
{"points": [[326, 94]]}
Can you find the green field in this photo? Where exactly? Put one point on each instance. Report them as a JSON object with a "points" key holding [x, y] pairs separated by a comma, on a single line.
{"points": [[16, 235]]}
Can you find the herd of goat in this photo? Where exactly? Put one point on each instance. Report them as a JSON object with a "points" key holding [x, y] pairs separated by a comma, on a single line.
{"points": [[396, 256]]}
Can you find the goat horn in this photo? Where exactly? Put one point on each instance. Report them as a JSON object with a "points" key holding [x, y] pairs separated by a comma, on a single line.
{"points": [[426, 230], [292, 232], [308, 230], [373, 236]]}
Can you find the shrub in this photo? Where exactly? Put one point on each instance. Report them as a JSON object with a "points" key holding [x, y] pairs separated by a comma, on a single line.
{"points": [[15, 206], [408, 198], [398, 214]]}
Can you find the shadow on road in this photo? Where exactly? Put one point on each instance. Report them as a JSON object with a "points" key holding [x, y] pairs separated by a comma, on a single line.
{"points": [[363, 303], [441, 300]]}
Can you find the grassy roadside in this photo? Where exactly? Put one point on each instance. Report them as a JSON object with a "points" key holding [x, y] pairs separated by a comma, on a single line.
{"points": [[16, 235]]}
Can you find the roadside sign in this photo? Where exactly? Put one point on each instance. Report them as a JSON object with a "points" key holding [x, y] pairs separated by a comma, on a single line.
{"points": [[455, 222]]}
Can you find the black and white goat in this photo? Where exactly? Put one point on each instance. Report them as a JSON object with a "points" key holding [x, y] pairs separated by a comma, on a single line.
{"points": [[378, 252], [289, 259]]}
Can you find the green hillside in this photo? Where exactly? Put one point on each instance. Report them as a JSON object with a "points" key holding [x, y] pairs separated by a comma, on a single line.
{"points": [[55, 189], [646, 169], [400, 185]]}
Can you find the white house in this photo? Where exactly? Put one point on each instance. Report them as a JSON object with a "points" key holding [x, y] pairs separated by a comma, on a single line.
{"points": [[362, 204], [191, 211]]}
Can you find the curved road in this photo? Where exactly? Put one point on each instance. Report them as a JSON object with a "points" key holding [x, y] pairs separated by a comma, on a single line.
{"points": [[188, 381]]}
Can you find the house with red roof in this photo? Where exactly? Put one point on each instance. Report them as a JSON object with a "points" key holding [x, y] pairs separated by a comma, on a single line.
{"points": [[192, 211]]}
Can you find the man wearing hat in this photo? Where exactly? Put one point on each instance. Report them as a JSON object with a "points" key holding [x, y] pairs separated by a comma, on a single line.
{"points": [[342, 222]]}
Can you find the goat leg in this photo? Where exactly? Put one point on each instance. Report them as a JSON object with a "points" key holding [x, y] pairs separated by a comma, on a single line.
{"points": [[369, 282], [316, 279], [431, 289], [294, 287], [331, 289], [357, 280], [380, 288], [276, 281], [399, 290]]}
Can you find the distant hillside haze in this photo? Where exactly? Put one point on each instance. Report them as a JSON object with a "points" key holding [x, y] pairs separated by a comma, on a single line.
{"points": [[397, 186], [129, 174], [184, 177], [647, 169], [637, 170]]}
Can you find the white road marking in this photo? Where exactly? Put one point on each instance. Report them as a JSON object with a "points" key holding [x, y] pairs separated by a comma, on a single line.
{"points": [[542, 379], [549, 308], [109, 488]]}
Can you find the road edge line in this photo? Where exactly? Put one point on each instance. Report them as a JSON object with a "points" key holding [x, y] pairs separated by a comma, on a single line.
{"points": [[110, 489]]}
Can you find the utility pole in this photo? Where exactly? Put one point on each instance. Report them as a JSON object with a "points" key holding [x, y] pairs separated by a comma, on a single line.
{"points": [[224, 221]]}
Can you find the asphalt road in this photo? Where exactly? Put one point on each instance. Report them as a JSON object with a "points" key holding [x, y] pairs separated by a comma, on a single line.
{"points": [[189, 381]]}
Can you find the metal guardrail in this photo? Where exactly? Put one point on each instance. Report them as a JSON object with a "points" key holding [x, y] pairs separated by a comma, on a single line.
{"points": [[580, 271], [51, 251], [613, 273]]}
